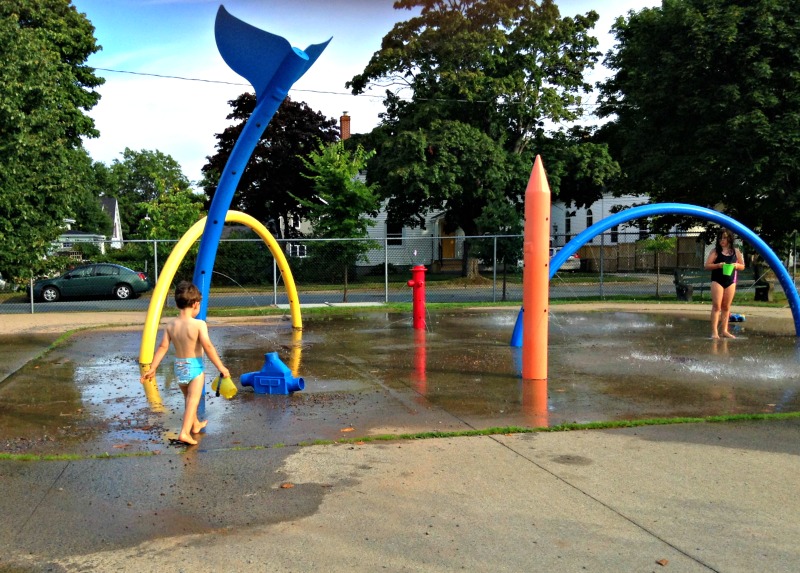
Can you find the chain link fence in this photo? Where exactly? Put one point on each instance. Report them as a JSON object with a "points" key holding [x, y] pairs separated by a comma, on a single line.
{"points": [[460, 269]]}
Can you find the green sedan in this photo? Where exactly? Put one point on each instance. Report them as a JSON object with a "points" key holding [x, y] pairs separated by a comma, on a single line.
{"points": [[93, 281]]}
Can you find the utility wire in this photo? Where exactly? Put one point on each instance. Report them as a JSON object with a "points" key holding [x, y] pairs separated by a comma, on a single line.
{"points": [[323, 92]]}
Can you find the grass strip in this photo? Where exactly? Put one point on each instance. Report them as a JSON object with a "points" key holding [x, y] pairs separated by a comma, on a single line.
{"points": [[494, 431]]}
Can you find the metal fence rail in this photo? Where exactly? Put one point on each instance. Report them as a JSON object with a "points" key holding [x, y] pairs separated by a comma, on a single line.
{"points": [[245, 273]]}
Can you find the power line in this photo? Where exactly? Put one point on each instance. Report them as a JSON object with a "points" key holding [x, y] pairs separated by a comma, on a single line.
{"points": [[322, 92], [170, 77]]}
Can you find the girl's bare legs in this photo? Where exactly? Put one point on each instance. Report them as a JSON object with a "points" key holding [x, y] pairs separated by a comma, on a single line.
{"points": [[725, 310], [717, 293], [191, 425]]}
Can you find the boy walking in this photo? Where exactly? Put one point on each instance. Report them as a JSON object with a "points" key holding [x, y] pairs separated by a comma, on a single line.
{"points": [[190, 338]]}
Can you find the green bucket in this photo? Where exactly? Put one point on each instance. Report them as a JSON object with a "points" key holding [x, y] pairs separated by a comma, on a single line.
{"points": [[727, 269]]}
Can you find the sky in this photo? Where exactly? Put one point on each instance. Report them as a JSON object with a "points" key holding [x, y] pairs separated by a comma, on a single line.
{"points": [[144, 39]]}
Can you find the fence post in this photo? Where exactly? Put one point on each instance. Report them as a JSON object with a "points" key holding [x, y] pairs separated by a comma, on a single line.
{"points": [[385, 269], [32, 292], [494, 271], [155, 257], [274, 282], [602, 259]]}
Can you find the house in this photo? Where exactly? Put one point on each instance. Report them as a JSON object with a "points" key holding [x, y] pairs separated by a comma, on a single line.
{"points": [[618, 245], [69, 238], [440, 247]]}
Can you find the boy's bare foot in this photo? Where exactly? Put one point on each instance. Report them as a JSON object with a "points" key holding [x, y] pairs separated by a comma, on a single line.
{"points": [[199, 426], [187, 439], [715, 336], [728, 335]]}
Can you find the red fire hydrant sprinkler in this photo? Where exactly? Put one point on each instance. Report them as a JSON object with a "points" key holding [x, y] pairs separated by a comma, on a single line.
{"points": [[417, 283]]}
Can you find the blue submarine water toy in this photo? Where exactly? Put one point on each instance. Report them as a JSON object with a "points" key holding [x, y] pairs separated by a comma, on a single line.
{"points": [[273, 378]]}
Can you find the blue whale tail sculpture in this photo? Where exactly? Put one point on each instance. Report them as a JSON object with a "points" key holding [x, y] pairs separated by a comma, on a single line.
{"points": [[245, 47]]}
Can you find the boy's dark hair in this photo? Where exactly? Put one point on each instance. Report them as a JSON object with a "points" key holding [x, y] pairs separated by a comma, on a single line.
{"points": [[186, 294]]}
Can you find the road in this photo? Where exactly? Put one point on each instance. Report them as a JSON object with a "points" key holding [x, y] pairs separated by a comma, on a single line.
{"points": [[434, 294]]}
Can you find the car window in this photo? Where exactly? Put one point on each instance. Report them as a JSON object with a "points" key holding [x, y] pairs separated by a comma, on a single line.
{"points": [[106, 270], [81, 272]]}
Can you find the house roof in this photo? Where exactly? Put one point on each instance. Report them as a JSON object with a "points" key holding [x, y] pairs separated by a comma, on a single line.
{"points": [[109, 205]]}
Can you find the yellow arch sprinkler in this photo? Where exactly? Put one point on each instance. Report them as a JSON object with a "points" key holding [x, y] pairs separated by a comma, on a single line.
{"points": [[161, 291]]}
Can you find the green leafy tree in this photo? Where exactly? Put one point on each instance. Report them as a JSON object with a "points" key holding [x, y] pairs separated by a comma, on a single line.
{"points": [[501, 218], [168, 216], [658, 244], [340, 206], [483, 76], [87, 209], [139, 178], [171, 214], [452, 167], [45, 91], [275, 174], [705, 101]]}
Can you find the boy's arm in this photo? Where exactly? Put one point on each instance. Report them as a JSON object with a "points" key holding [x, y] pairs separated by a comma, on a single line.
{"points": [[161, 351], [208, 346]]}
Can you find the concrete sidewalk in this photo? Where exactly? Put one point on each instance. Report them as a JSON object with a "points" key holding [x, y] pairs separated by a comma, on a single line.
{"points": [[702, 497], [692, 497]]}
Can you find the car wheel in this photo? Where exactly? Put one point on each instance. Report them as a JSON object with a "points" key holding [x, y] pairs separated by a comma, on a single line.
{"points": [[50, 294], [123, 292]]}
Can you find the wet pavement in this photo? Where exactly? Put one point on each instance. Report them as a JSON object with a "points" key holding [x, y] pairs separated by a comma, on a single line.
{"points": [[370, 373], [697, 497]]}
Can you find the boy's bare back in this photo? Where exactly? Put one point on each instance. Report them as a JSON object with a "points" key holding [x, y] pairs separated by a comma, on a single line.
{"points": [[186, 335]]}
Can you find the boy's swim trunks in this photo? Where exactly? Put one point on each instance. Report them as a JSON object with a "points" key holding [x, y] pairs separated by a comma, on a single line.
{"points": [[187, 369]]}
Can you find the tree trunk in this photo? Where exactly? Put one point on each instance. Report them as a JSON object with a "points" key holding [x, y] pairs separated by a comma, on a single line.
{"points": [[469, 265]]}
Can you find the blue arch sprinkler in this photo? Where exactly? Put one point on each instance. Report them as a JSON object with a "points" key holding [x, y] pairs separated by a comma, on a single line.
{"points": [[758, 244], [272, 66]]}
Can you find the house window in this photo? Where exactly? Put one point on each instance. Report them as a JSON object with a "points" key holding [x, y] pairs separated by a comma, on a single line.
{"points": [[297, 250], [567, 227], [615, 234], [394, 233]]}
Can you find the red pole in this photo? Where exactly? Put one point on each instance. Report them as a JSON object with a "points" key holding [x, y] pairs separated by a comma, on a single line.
{"points": [[417, 283], [536, 275]]}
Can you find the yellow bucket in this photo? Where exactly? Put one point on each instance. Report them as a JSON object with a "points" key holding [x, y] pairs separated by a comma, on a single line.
{"points": [[224, 386]]}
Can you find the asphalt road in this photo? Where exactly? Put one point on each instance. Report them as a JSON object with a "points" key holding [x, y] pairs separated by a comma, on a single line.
{"points": [[469, 293]]}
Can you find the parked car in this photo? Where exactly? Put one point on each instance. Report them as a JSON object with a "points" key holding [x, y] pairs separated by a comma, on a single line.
{"points": [[573, 263], [87, 281]]}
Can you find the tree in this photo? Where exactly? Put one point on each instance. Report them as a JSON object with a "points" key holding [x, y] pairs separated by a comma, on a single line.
{"points": [[341, 202], [87, 209], [705, 108], [659, 244], [450, 166], [276, 172], [140, 178], [171, 214], [501, 218], [484, 77], [45, 91]]}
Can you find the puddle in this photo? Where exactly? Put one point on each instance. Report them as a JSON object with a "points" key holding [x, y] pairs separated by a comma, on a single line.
{"points": [[372, 372]]}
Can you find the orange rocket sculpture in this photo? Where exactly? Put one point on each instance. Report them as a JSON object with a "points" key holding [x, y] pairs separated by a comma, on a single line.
{"points": [[535, 276]]}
